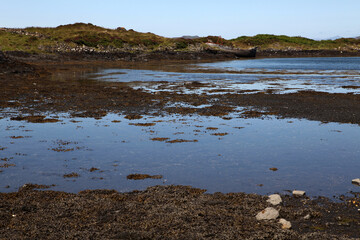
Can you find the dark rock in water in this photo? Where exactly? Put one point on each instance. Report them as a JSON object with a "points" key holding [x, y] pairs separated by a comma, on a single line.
{"points": [[356, 181], [138, 176], [34, 119]]}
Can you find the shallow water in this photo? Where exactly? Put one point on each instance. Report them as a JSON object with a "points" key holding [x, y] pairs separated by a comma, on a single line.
{"points": [[278, 75], [322, 64], [321, 159]]}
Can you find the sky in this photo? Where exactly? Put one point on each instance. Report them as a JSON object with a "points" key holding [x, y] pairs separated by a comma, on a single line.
{"points": [[316, 19]]}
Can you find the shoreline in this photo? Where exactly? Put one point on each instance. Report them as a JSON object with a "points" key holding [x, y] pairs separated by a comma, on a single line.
{"points": [[171, 212], [205, 55]]}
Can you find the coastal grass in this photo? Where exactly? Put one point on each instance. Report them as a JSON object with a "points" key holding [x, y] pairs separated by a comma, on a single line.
{"points": [[282, 42], [16, 42], [80, 35], [93, 36]]}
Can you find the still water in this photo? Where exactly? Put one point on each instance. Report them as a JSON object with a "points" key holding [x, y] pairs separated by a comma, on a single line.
{"points": [[237, 156], [301, 64], [221, 155], [279, 75]]}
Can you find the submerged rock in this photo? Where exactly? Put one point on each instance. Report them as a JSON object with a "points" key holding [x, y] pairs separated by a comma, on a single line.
{"points": [[274, 199], [268, 213]]}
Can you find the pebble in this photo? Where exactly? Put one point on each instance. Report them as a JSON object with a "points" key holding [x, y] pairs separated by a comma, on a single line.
{"points": [[356, 181], [268, 213], [285, 224], [298, 193], [307, 217], [274, 199]]}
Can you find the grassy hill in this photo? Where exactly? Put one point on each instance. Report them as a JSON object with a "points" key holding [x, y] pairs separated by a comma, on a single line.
{"points": [[281, 42], [88, 37]]}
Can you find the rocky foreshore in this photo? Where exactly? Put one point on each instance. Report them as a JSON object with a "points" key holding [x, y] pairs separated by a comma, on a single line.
{"points": [[307, 53], [162, 212], [172, 212], [63, 53], [136, 56]]}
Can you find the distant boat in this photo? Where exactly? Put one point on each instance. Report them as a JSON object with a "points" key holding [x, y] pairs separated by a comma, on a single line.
{"points": [[217, 48]]}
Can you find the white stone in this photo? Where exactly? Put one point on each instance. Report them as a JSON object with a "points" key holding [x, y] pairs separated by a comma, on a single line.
{"points": [[274, 199], [307, 217], [267, 214], [298, 193], [285, 224], [356, 181]]}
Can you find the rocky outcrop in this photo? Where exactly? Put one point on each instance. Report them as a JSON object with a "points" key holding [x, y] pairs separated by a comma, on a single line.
{"points": [[12, 66], [306, 53], [23, 32]]}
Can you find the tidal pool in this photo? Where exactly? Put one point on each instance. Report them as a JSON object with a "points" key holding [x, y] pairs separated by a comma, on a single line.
{"points": [[233, 155], [278, 75]]}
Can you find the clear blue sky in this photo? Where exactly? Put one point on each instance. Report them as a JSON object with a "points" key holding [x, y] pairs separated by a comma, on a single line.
{"points": [[172, 18]]}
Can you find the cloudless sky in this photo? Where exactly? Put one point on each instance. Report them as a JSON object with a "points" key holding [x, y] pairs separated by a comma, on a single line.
{"points": [[318, 19]]}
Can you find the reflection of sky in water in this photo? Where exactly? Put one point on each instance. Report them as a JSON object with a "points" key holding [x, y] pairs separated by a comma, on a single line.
{"points": [[326, 64], [319, 158], [318, 74]]}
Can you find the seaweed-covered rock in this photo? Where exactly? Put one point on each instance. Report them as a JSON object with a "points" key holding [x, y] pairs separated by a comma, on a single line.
{"points": [[12, 66]]}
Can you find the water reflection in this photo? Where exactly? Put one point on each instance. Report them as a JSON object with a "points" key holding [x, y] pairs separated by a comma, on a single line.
{"points": [[321, 64], [284, 75], [228, 155]]}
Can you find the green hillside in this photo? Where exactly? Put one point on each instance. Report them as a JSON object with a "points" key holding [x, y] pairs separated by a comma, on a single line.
{"points": [[88, 37], [282, 42]]}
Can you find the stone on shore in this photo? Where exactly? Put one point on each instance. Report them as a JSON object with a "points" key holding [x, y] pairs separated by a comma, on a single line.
{"points": [[356, 181], [274, 199], [298, 193], [268, 213], [285, 224]]}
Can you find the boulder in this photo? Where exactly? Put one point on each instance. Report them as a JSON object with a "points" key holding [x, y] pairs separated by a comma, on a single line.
{"points": [[274, 199], [268, 213], [356, 181], [285, 224], [298, 193]]}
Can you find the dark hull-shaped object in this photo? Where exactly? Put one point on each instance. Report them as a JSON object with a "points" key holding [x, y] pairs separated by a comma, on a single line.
{"points": [[245, 53], [237, 52]]}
